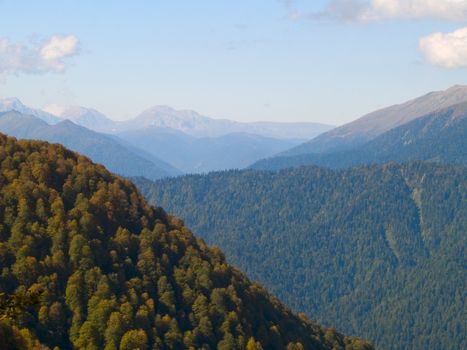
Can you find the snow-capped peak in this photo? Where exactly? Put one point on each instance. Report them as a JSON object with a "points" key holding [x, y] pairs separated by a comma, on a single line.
{"points": [[87, 117], [14, 104]]}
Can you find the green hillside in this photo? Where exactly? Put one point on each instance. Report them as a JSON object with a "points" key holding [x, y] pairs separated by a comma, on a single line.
{"points": [[378, 251], [116, 273]]}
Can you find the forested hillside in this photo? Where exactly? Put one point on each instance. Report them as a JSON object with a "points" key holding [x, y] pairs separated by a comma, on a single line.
{"points": [[439, 137], [112, 272], [378, 251]]}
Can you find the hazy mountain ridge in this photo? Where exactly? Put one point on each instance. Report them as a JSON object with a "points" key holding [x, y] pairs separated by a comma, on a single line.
{"points": [[99, 147], [176, 137], [440, 137], [188, 122], [155, 143], [195, 124], [202, 154], [189, 141], [365, 248], [362, 130]]}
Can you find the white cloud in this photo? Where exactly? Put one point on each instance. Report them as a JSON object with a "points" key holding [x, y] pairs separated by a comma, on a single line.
{"points": [[379, 10], [48, 56], [446, 50], [57, 48]]}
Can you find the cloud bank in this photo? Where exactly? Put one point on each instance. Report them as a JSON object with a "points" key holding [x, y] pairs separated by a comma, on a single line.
{"points": [[380, 10], [48, 56], [446, 50]]}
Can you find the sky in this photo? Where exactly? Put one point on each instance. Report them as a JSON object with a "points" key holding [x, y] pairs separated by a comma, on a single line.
{"points": [[247, 60]]}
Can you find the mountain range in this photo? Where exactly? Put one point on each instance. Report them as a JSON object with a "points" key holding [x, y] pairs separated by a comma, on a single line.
{"points": [[184, 139], [187, 121], [194, 124], [118, 156]]}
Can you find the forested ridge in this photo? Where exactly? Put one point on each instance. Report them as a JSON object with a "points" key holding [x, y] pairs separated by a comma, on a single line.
{"points": [[87, 263], [440, 137], [377, 250]]}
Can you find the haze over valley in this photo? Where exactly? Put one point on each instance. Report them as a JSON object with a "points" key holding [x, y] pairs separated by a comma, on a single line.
{"points": [[190, 142]]}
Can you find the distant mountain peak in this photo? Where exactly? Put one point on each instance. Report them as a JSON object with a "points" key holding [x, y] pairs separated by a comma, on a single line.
{"points": [[167, 113], [161, 108], [14, 104], [83, 116], [11, 103]]}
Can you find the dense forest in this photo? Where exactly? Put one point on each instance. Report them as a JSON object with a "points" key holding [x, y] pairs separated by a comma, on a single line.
{"points": [[439, 137], [87, 263], [378, 251]]}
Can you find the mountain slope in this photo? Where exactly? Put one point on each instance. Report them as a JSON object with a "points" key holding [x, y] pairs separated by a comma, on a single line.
{"points": [[120, 274], [440, 137], [99, 147], [366, 249], [20, 125], [371, 125], [195, 155]]}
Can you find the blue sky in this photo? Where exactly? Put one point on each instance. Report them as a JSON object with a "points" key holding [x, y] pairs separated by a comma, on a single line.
{"points": [[309, 60]]}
